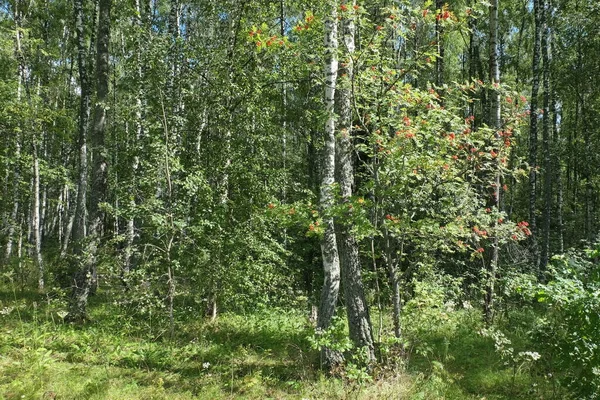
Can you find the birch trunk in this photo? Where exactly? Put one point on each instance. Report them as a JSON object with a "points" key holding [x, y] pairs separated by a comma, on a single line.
{"points": [[495, 123], [14, 214], [79, 224], [83, 277], [359, 321], [35, 216], [546, 214], [69, 214], [139, 132], [556, 141], [535, 86], [329, 250]]}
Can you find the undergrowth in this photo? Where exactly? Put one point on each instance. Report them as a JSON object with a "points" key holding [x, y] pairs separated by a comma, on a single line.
{"points": [[118, 355]]}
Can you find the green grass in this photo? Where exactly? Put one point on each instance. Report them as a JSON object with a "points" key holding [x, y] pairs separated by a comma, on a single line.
{"points": [[120, 355]]}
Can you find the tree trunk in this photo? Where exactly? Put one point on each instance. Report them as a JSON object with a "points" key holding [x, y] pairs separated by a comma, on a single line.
{"points": [[495, 123], [359, 321], [79, 225], [35, 216], [12, 220], [392, 266], [129, 250], [329, 250], [533, 123], [439, 31], [557, 153], [69, 212], [548, 173], [83, 277]]}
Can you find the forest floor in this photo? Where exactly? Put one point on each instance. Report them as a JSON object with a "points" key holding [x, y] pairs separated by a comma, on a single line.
{"points": [[260, 356]]}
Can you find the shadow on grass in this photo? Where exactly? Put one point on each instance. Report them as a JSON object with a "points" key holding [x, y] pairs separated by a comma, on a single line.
{"points": [[469, 365]]}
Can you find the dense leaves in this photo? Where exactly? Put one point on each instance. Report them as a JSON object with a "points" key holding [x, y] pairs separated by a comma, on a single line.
{"points": [[175, 164]]}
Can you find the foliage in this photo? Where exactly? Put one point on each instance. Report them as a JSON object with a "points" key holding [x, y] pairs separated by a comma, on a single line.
{"points": [[214, 142], [566, 328], [265, 354]]}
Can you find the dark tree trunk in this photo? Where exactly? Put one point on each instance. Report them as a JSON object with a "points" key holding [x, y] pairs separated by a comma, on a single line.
{"points": [[79, 224], [439, 32], [494, 122], [84, 275], [359, 321], [533, 123], [548, 173]]}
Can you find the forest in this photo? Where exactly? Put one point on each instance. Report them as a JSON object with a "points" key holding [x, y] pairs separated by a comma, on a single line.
{"points": [[300, 199]]}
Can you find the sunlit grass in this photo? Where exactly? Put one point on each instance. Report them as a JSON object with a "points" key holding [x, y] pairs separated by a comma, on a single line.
{"points": [[257, 356]]}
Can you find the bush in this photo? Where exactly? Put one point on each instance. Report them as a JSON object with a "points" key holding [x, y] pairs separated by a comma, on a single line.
{"points": [[567, 327]]}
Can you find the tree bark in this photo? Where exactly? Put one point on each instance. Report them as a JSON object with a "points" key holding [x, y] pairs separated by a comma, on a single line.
{"points": [[35, 215], [495, 123], [14, 214], [557, 153], [533, 128], [83, 277], [79, 225], [439, 32], [329, 250], [359, 321], [547, 211]]}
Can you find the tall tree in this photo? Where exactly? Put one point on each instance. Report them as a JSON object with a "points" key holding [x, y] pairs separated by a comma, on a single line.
{"points": [[84, 115], [359, 321], [533, 127], [495, 122], [83, 276], [546, 134], [14, 213], [329, 249]]}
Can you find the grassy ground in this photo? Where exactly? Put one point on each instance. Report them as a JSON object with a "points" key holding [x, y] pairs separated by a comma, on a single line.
{"points": [[267, 355]]}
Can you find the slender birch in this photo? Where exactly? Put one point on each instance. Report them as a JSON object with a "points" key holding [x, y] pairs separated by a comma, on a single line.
{"points": [[533, 129], [547, 210], [329, 250], [359, 321], [495, 123]]}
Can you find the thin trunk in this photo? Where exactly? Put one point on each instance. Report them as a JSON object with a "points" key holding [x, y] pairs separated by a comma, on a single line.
{"points": [[70, 211], [222, 186], [533, 130], [392, 264], [546, 214], [35, 216], [139, 131], [359, 320], [472, 71], [556, 142], [169, 208], [495, 123], [12, 222], [20, 254], [329, 250], [439, 32], [79, 224], [283, 122], [587, 174]]}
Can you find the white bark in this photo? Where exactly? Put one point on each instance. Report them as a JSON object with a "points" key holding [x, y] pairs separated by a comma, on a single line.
{"points": [[329, 251]]}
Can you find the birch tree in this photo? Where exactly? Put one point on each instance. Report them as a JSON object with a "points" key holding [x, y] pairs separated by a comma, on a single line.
{"points": [[329, 249], [359, 321], [82, 280]]}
